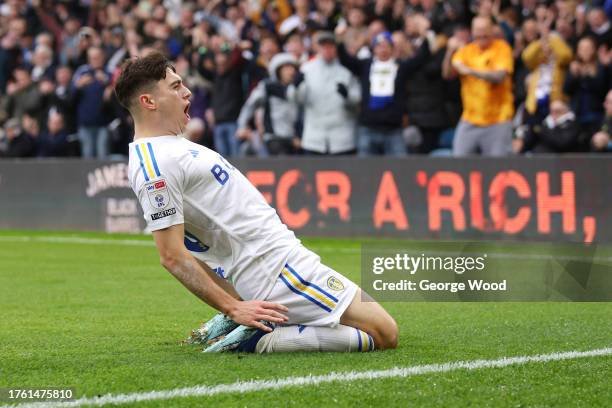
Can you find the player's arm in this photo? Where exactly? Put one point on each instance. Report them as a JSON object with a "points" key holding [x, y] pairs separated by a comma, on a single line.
{"points": [[183, 266], [223, 283]]}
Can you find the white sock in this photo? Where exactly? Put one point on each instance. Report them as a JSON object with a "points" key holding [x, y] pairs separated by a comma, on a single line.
{"points": [[311, 338]]}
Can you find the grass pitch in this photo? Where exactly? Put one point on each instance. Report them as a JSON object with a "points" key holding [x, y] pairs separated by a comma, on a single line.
{"points": [[106, 318]]}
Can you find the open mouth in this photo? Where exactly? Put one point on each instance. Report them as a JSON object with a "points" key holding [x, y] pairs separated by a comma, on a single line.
{"points": [[187, 111]]}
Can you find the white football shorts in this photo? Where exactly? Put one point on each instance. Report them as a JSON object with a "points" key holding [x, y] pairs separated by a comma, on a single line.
{"points": [[315, 294]]}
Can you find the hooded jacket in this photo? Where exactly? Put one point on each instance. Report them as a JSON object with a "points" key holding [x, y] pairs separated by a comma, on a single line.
{"points": [[280, 115], [330, 119]]}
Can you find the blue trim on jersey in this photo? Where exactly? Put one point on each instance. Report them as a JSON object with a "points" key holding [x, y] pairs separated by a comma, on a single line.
{"points": [[153, 159], [312, 285], [359, 337], [142, 163], [313, 300], [370, 343]]}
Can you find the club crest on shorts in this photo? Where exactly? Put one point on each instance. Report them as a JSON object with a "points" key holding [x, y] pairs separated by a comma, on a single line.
{"points": [[335, 284], [158, 193]]}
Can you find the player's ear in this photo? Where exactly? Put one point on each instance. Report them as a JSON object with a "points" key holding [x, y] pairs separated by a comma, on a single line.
{"points": [[147, 101]]}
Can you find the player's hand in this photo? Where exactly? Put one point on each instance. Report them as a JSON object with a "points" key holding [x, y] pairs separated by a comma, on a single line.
{"points": [[252, 312]]}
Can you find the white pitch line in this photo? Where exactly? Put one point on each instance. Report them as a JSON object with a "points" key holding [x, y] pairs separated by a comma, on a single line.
{"points": [[77, 240], [141, 243], [242, 387]]}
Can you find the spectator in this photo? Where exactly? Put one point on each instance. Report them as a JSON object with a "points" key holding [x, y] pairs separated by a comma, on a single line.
{"points": [[330, 96], [547, 59], [56, 96], [356, 35], [195, 130], [89, 83], [280, 115], [10, 57], [53, 141], [601, 140], [485, 68], [383, 81], [23, 95], [426, 98], [587, 84], [295, 46], [225, 71], [19, 144], [558, 132], [258, 67], [42, 63], [599, 27], [303, 21]]}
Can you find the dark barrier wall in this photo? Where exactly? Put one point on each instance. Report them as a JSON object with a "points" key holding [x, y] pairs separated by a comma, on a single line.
{"points": [[543, 198]]}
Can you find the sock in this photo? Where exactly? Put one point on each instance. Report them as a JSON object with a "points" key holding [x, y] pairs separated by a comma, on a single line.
{"points": [[311, 338]]}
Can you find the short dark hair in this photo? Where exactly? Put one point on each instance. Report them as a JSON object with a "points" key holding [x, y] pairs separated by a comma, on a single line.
{"points": [[140, 73]]}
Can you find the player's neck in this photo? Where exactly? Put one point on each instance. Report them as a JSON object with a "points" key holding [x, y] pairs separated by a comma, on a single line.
{"points": [[151, 128]]}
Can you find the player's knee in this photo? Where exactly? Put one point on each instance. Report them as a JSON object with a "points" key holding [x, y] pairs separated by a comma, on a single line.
{"points": [[386, 335], [390, 334]]}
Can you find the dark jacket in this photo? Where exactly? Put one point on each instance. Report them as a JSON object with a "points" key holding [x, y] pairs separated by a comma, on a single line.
{"points": [[21, 146], [389, 116], [89, 99], [561, 137], [227, 90], [426, 95], [53, 145], [587, 94]]}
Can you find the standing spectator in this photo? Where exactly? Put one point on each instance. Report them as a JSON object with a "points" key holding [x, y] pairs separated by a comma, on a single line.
{"points": [[61, 98], [485, 68], [383, 82], [227, 96], [599, 27], [426, 98], [53, 141], [195, 131], [303, 21], [42, 63], [356, 35], [89, 83], [601, 141], [280, 115], [10, 57], [258, 67], [330, 96], [547, 59], [19, 143], [586, 84], [23, 95]]}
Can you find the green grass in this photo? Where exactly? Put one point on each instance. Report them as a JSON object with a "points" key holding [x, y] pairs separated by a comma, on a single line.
{"points": [[108, 319]]}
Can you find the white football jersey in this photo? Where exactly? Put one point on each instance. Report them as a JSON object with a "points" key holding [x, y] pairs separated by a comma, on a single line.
{"points": [[228, 223]]}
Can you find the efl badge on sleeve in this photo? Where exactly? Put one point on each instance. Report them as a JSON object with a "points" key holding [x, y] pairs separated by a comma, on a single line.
{"points": [[158, 193]]}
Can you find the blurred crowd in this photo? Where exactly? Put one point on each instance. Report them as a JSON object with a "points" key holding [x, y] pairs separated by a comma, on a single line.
{"points": [[315, 77]]}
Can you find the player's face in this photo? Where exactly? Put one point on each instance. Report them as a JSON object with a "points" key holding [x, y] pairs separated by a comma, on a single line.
{"points": [[173, 100]]}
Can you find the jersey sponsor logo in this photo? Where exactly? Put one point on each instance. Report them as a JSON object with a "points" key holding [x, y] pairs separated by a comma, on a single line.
{"points": [[193, 244], [162, 214], [159, 197], [194, 153], [335, 284]]}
